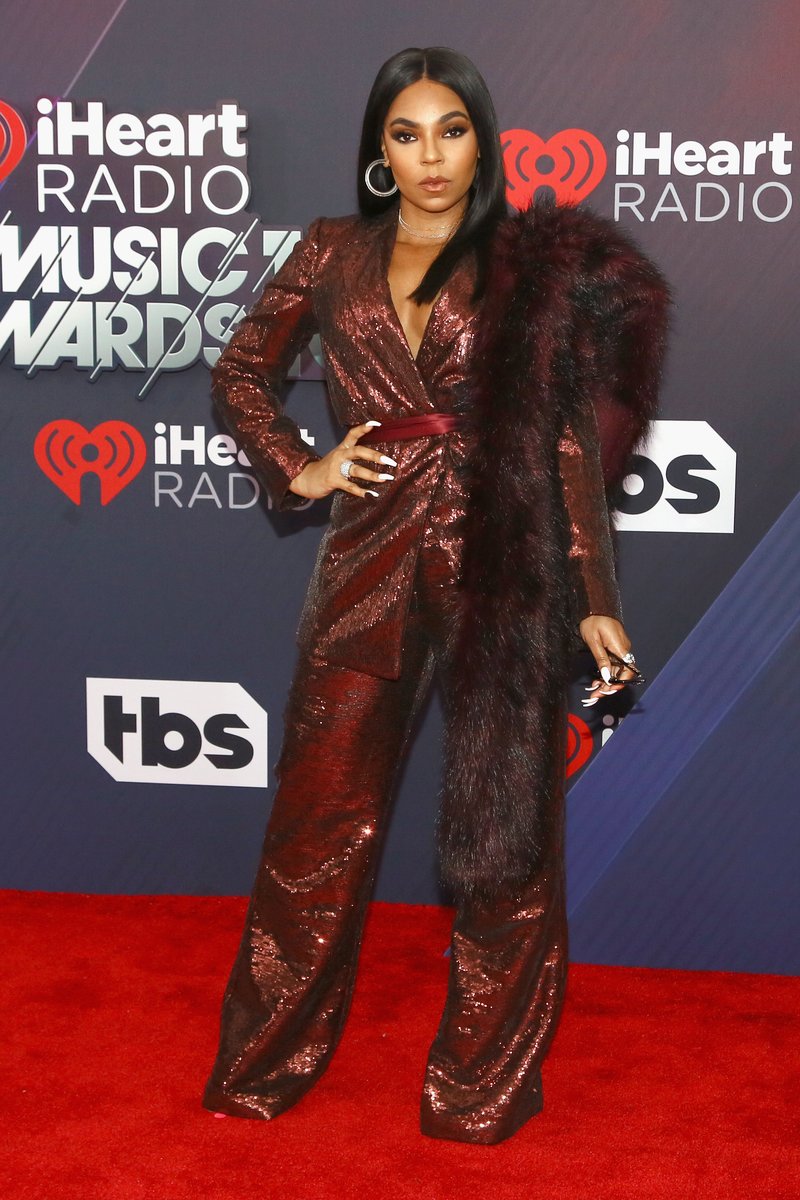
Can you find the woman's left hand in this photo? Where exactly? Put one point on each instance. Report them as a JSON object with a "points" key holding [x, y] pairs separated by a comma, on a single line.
{"points": [[604, 634]]}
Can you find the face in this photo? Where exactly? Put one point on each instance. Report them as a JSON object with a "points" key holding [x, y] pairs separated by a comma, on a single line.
{"points": [[431, 146]]}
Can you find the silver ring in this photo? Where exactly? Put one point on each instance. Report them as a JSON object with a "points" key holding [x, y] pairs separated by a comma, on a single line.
{"points": [[628, 658], [345, 466]]}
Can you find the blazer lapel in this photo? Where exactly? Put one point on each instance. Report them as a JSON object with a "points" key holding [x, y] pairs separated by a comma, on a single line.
{"points": [[452, 311], [452, 314]]}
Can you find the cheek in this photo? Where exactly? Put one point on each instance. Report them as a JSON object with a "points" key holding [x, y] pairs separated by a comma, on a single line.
{"points": [[400, 160], [464, 156]]}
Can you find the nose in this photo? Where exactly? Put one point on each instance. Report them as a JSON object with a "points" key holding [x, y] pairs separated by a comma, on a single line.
{"points": [[430, 151]]}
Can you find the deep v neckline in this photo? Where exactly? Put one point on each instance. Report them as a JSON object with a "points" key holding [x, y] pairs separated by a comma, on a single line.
{"points": [[386, 263]]}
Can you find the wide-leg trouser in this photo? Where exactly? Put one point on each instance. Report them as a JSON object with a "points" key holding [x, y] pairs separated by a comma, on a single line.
{"points": [[291, 984]]}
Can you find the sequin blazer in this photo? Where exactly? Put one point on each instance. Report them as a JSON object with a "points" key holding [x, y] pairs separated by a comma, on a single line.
{"points": [[335, 283]]}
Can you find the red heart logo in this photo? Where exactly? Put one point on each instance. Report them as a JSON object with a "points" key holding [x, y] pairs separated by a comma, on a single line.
{"points": [[13, 139], [571, 162], [580, 744], [114, 451]]}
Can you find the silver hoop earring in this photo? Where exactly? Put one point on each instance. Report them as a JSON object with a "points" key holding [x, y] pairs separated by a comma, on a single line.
{"points": [[377, 162]]}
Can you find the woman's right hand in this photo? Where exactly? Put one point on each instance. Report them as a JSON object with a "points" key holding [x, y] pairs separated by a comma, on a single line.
{"points": [[318, 479]]}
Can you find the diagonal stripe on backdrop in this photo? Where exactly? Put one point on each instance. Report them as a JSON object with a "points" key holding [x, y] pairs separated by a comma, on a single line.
{"points": [[41, 49], [637, 765], [95, 47]]}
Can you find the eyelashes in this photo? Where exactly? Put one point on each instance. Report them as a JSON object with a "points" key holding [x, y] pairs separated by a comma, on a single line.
{"points": [[401, 135]]}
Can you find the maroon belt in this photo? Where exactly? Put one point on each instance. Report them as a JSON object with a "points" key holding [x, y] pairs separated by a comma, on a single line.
{"points": [[412, 427]]}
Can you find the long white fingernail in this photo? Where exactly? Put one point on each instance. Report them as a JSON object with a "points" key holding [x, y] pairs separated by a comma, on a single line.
{"points": [[591, 687], [384, 458], [369, 492], [373, 422], [587, 703], [606, 673], [384, 476]]}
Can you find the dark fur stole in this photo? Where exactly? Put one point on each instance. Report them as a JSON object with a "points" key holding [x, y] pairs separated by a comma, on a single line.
{"points": [[574, 313]]}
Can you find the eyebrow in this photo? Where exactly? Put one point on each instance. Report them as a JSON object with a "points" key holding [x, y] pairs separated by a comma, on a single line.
{"points": [[415, 124]]}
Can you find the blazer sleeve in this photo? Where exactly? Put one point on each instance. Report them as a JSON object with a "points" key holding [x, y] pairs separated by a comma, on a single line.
{"points": [[248, 377], [592, 575]]}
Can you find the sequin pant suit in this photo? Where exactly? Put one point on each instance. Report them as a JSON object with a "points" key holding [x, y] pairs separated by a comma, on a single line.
{"points": [[373, 630]]}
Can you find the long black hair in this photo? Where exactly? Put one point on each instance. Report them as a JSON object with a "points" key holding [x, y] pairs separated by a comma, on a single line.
{"points": [[487, 194]]}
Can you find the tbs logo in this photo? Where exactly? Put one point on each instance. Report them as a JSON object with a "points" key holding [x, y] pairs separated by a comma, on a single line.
{"points": [[176, 731], [683, 481]]}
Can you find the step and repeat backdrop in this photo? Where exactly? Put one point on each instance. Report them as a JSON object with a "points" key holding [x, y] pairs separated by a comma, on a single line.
{"points": [[158, 163]]}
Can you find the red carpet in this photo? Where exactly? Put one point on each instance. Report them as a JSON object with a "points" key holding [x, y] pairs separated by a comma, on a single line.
{"points": [[668, 1084]]}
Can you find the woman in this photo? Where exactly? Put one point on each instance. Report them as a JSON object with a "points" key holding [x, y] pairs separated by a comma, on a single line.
{"points": [[475, 359]]}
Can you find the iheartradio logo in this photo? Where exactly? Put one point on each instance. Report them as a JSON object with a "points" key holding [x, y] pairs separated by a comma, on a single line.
{"points": [[580, 743], [571, 162], [13, 139], [114, 451]]}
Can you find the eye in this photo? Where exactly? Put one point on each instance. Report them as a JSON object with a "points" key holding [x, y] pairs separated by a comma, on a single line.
{"points": [[401, 134], [456, 130]]}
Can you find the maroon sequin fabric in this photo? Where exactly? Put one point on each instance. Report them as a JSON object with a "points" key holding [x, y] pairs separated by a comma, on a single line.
{"points": [[375, 625], [290, 988], [335, 284]]}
